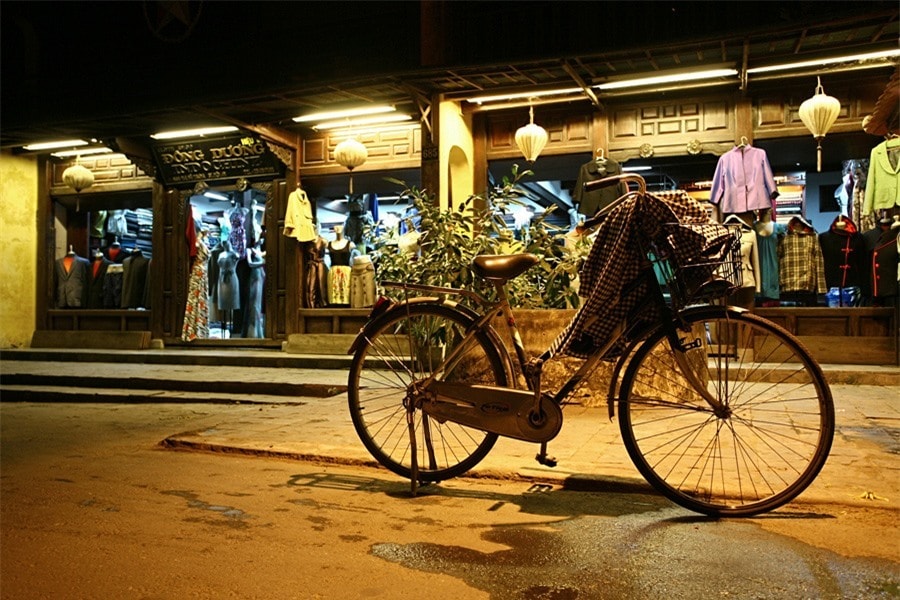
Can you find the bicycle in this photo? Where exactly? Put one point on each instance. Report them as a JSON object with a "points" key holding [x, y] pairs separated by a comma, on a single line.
{"points": [[723, 412]]}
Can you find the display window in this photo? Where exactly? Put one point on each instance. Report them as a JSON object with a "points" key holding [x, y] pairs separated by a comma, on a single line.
{"points": [[225, 289]]}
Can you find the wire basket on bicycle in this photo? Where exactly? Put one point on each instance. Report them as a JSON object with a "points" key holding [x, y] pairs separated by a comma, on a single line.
{"points": [[691, 278]]}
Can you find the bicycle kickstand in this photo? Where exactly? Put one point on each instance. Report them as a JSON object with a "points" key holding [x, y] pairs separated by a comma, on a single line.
{"points": [[542, 458]]}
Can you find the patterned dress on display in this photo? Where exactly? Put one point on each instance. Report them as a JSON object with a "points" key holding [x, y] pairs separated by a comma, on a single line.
{"points": [[196, 310]]}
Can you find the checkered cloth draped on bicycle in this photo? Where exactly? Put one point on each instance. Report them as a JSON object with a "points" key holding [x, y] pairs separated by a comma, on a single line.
{"points": [[610, 289]]}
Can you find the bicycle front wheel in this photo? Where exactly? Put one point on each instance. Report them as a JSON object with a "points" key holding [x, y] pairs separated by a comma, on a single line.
{"points": [[400, 349], [739, 424]]}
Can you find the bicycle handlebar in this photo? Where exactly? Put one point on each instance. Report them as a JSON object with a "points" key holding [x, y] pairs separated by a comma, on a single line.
{"points": [[605, 182]]}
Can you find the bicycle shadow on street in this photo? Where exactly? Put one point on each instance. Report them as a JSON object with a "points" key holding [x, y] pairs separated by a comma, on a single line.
{"points": [[536, 498]]}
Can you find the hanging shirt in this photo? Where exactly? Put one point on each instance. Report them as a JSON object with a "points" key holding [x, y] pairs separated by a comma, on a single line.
{"points": [[767, 236], [800, 260], [298, 219], [743, 181], [882, 189]]}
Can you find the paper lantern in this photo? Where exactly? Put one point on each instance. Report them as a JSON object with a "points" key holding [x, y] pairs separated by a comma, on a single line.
{"points": [[819, 114], [78, 177], [350, 153], [531, 138]]}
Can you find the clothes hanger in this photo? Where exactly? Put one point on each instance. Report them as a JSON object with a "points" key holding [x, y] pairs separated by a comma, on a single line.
{"points": [[600, 156], [744, 142]]}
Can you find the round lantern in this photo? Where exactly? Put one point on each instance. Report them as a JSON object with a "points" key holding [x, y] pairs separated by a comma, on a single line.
{"points": [[350, 153], [819, 114], [78, 177], [531, 138]]}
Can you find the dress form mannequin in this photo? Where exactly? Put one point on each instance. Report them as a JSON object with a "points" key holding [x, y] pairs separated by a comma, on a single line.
{"points": [[340, 252]]}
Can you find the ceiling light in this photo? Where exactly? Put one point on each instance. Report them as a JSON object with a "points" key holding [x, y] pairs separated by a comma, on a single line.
{"points": [[198, 132], [666, 78], [347, 123], [628, 169], [874, 56], [522, 95], [342, 114], [53, 145], [81, 152], [216, 196]]}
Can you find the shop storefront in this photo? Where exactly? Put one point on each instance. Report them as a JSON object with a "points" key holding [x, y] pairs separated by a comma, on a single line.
{"points": [[143, 226]]}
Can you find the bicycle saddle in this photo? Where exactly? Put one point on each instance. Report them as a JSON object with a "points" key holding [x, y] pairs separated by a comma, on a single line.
{"points": [[500, 267]]}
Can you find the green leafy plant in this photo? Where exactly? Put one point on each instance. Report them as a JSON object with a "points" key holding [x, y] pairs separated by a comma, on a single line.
{"points": [[451, 238]]}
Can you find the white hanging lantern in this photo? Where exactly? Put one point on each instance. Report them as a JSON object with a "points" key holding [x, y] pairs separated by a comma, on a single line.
{"points": [[350, 153], [531, 138], [78, 178], [818, 114]]}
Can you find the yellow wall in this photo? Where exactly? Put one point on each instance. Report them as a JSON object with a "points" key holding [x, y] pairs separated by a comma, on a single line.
{"points": [[456, 150], [18, 230]]}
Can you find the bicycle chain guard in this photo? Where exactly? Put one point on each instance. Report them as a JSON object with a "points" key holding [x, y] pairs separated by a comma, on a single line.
{"points": [[504, 411]]}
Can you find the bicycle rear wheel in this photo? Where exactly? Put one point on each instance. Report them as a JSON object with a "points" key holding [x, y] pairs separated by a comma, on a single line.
{"points": [[401, 348], [762, 447]]}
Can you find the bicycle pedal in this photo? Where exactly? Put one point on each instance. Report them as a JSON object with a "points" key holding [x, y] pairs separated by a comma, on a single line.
{"points": [[547, 461]]}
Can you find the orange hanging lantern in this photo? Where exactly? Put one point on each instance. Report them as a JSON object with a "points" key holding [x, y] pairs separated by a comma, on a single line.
{"points": [[818, 114]]}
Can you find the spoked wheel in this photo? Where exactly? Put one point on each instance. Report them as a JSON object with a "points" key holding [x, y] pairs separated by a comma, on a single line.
{"points": [[740, 424], [402, 347]]}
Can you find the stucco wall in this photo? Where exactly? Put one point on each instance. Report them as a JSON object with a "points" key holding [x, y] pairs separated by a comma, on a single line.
{"points": [[18, 230]]}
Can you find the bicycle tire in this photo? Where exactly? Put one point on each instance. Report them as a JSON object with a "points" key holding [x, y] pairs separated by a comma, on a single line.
{"points": [[382, 373], [766, 446]]}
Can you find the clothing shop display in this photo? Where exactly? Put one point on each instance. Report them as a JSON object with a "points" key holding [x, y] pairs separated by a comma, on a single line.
{"points": [[228, 295], [253, 325], [362, 282], [844, 255], [359, 223], [749, 254], [196, 310], [316, 274], [134, 280], [885, 268], [298, 218], [882, 187], [99, 265], [340, 253], [73, 274], [116, 225], [589, 203], [801, 268], [98, 224], [238, 235], [115, 253], [743, 181]]}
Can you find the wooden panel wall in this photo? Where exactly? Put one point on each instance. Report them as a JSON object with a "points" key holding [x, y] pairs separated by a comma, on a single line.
{"points": [[394, 148]]}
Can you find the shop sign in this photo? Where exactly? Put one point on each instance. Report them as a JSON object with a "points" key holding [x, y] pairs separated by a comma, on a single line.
{"points": [[203, 159]]}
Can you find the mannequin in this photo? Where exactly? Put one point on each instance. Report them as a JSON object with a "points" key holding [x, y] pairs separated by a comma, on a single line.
{"points": [[767, 235], [254, 325], [340, 253], [228, 295], [316, 273], [196, 310], [73, 274], [746, 295]]}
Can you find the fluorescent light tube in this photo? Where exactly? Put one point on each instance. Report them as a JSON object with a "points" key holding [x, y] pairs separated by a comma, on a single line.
{"points": [[52, 145], [826, 61], [200, 131], [670, 78], [374, 119], [521, 95], [341, 114]]}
